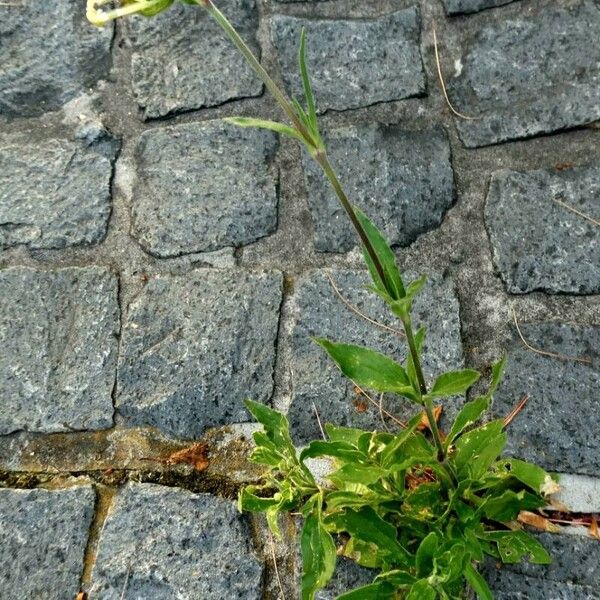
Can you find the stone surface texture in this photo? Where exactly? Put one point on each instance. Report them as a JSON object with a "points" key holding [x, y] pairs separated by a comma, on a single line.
{"points": [[353, 63], [54, 193], [402, 178], [529, 75], [456, 7], [182, 61], [539, 244], [58, 347], [43, 536], [51, 54], [194, 347], [558, 428], [202, 187], [319, 311], [158, 266], [168, 543]]}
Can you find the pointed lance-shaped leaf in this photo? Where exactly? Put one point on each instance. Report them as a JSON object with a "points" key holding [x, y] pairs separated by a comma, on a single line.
{"points": [[454, 382], [281, 128]]}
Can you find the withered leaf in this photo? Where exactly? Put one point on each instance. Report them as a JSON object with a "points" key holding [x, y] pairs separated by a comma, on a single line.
{"points": [[537, 521], [195, 455]]}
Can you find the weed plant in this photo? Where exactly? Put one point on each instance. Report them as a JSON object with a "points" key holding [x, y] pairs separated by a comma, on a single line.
{"points": [[421, 508]]}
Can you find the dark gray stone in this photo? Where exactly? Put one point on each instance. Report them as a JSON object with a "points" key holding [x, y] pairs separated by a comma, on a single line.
{"points": [[353, 63], [403, 179], [58, 346], [182, 60], [43, 535], [50, 55], [54, 193], [539, 244], [455, 7], [572, 575], [347, 576], [194, 347], [204, 186], [318, 311], [529, 75], [558, 429], [164, 543]]}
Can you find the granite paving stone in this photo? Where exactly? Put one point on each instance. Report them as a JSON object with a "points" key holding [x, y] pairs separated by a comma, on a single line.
{"points": [[202, 187], [572, 575], [43, 536], [531, 74], [318, 311], [402, 179], [51, 54], [348, 575], [353, 63], [169, 543], [58, 346], [195, 346], [54, 193], [182, 60], [456, 7], [539, 244], [559, 427]]}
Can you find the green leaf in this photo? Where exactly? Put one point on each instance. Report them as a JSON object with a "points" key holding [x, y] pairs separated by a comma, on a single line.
{"points": [[397, 577], [468, 415], [449, 564], [342, 450], [353, 473], [410, 364], [156, 7], [454, 382], [531, 475], [389, 454], [426, 553], [497, 372], [281, 128], [308, 92], [516, 545], [422, 590], [373, 591], [318, 556], [414, 287], [478, 583], [477, 449], [346, 499], [276, 426], [392, 286], [366, 525], [349, 435], [366, 367], [247, 501], [507, 506]]}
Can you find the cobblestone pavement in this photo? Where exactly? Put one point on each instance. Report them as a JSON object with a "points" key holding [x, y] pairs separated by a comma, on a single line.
{"points": [[157, 266]]}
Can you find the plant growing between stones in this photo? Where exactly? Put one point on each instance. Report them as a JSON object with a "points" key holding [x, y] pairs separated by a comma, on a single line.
{"points": [[423, 511]]}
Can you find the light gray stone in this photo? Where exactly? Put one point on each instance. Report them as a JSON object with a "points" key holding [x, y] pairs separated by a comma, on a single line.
{"points": [[195, 346], [43, 535], [539, 244], [317, 311], [403, 179], [558, 429], [204, 186], [572, 575], [527, 75], [58, 346], [54, 193], [182, 60], [50, 55], [455, 7], [579, 493], [164, 543], [353, 63]]}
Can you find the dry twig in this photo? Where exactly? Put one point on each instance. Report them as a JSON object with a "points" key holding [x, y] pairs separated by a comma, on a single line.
{"points": [[319, 421], [275, 566], [377, 405], [510, 417], [576, 211]]}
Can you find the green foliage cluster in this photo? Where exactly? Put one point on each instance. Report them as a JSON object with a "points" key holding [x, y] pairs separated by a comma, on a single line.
{"points": [[422, 520]]}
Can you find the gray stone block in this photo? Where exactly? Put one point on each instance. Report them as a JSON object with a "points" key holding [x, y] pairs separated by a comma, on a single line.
{"points": [[43, 535], [202, 187], [347, 576], [456, 7], [558, 429], [50, 55], [572, 575], [183, 61], [318, 311], [54, 193], [58, 346], [164, 543], [353, 63], [539, 244], [194, 347], [403, 179], [529, 75]]}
